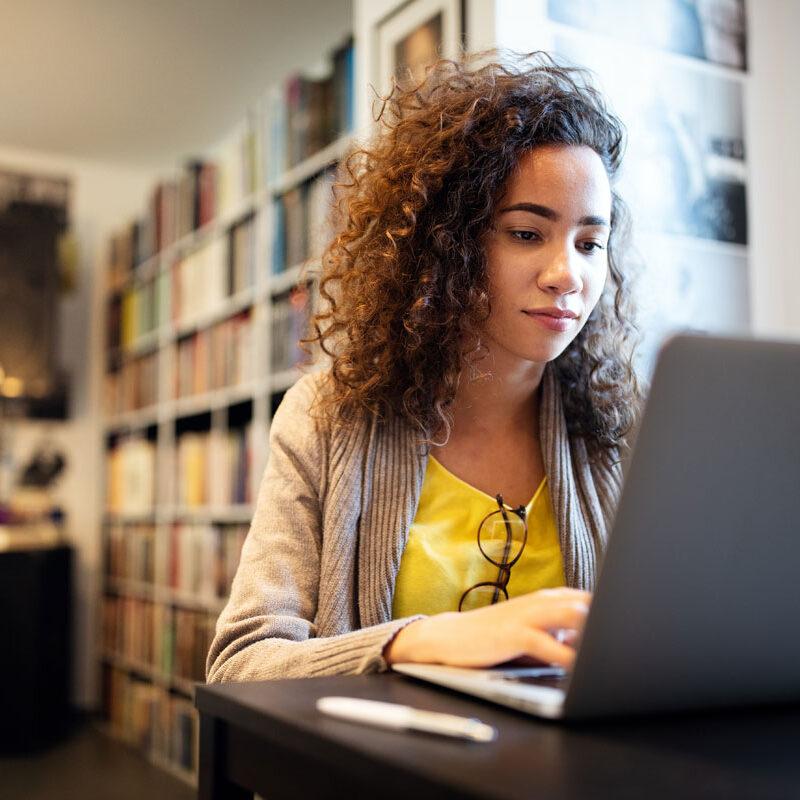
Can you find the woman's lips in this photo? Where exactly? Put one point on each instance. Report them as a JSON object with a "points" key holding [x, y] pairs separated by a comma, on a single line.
{"points": [[551, 322]]}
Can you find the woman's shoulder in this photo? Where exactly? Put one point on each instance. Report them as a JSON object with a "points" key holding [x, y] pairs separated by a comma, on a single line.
{"points": [[306, 391], [301, 403], [310, 404]]}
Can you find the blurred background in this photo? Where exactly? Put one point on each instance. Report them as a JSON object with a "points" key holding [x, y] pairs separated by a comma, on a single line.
{"points": [[165, 172]]}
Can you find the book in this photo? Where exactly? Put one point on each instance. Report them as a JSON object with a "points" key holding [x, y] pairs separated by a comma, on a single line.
{"points": [[304, 221], [242, 261], [200, 281], [295, 227], [129, 552], [130, 476], [318, 108], [213, 468], [215, 357], [290, 321]]}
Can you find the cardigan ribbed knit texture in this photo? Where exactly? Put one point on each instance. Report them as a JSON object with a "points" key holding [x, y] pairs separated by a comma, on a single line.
{"points": [[313, 592]]}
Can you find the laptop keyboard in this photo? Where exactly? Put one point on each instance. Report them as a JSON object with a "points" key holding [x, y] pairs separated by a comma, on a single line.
{"points": [[534, 676]]}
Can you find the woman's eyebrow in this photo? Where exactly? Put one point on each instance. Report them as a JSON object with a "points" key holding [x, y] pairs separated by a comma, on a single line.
{"points": [[552, 214]]}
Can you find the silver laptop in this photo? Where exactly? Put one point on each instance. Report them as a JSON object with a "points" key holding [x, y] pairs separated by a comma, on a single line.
{"points": [[698, 601]]}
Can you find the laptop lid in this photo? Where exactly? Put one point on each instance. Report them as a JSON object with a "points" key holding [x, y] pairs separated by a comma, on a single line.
{"points": [[698, 596]]}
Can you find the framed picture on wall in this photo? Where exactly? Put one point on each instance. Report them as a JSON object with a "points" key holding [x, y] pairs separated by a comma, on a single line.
{"points": [[710, 30], [685, 169], [414, 36]]}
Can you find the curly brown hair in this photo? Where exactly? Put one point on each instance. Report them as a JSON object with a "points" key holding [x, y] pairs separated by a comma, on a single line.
{"points": [[404, 284]]}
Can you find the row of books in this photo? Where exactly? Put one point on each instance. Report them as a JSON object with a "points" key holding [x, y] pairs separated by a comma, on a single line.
{"points": [[196, 559], [195, 286], [150, 717], [311, 113], [244, 256], [314, 110], [240, 162], [224, 266], [130, 476], [213, 467], [216, 357], [201, 560], [137, 311], [143, 309], [172, 641], [130, 552], [132, 385], [176, 207], [129, 631], [303, 222], [200, 280], [290, 323]]}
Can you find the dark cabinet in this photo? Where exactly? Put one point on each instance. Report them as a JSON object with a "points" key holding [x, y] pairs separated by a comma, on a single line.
{"points": [[35, 646]]}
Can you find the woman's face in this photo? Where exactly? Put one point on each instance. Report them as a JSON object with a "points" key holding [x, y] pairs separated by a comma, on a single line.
{"points": [[547, 253]]}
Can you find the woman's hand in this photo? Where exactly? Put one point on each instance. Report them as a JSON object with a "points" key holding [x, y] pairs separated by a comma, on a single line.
{"points": [[517, 628]]}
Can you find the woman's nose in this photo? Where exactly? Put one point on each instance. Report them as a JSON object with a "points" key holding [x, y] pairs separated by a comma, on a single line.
{"points": [[561, 273]]}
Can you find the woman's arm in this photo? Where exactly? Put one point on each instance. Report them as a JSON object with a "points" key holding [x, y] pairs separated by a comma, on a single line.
{"points": [[267, 629]]}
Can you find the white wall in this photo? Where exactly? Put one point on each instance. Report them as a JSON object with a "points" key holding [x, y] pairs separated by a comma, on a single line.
{"points": [[773, 134], [103, 196]]}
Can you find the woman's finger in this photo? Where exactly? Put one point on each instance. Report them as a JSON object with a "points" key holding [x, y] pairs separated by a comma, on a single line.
{"points": [[542, 646], [559, 594], [565, 614]]}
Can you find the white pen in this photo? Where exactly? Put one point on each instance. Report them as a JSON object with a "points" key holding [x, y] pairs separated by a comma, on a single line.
{"points": [[398, 717]]}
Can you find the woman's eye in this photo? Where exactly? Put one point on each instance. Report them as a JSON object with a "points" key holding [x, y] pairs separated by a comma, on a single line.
{"points": [[591, 247], [525, 236]]}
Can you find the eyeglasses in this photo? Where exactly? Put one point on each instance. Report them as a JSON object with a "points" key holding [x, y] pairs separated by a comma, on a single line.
{"points": [[501, 539]]}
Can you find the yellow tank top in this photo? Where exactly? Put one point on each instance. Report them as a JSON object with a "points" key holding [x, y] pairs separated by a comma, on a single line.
{"points": [[441, 559]]}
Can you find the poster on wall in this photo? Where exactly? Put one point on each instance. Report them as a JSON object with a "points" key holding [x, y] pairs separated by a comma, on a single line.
{"points": [[711, 30], [684, 170], [413, 37]]}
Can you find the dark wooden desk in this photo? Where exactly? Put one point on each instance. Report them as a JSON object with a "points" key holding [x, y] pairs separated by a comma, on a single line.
{"points": [[269, 738]]}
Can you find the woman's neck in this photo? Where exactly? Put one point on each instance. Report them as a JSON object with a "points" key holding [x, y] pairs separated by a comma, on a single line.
{"points": [[504, 402]]}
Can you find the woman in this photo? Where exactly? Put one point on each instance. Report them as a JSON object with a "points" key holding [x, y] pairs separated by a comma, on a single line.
{"points": [[478, 326]]}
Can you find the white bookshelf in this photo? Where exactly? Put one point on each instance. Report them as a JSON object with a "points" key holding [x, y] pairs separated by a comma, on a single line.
{"points": [[250, 401]]}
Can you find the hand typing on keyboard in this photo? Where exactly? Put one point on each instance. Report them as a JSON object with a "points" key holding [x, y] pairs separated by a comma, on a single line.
{"points": [[541, 626]]}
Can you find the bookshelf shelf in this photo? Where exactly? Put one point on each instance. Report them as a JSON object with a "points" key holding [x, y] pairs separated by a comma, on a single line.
{"points": [[144, 344], [214, 400], [134, 420], [165, 595], [242, 512], [243, 209], [283, 281], [202, 324], [182, 685], [131, 588], [239, 302], [147, 269], [130, 517], [213, 605], [311, 166]]}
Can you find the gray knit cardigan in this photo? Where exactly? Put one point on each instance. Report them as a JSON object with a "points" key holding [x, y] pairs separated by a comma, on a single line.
{"points": [[313, 592]]}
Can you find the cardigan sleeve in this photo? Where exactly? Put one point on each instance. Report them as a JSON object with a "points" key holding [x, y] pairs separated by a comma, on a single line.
{"points": [[267, 628]]}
